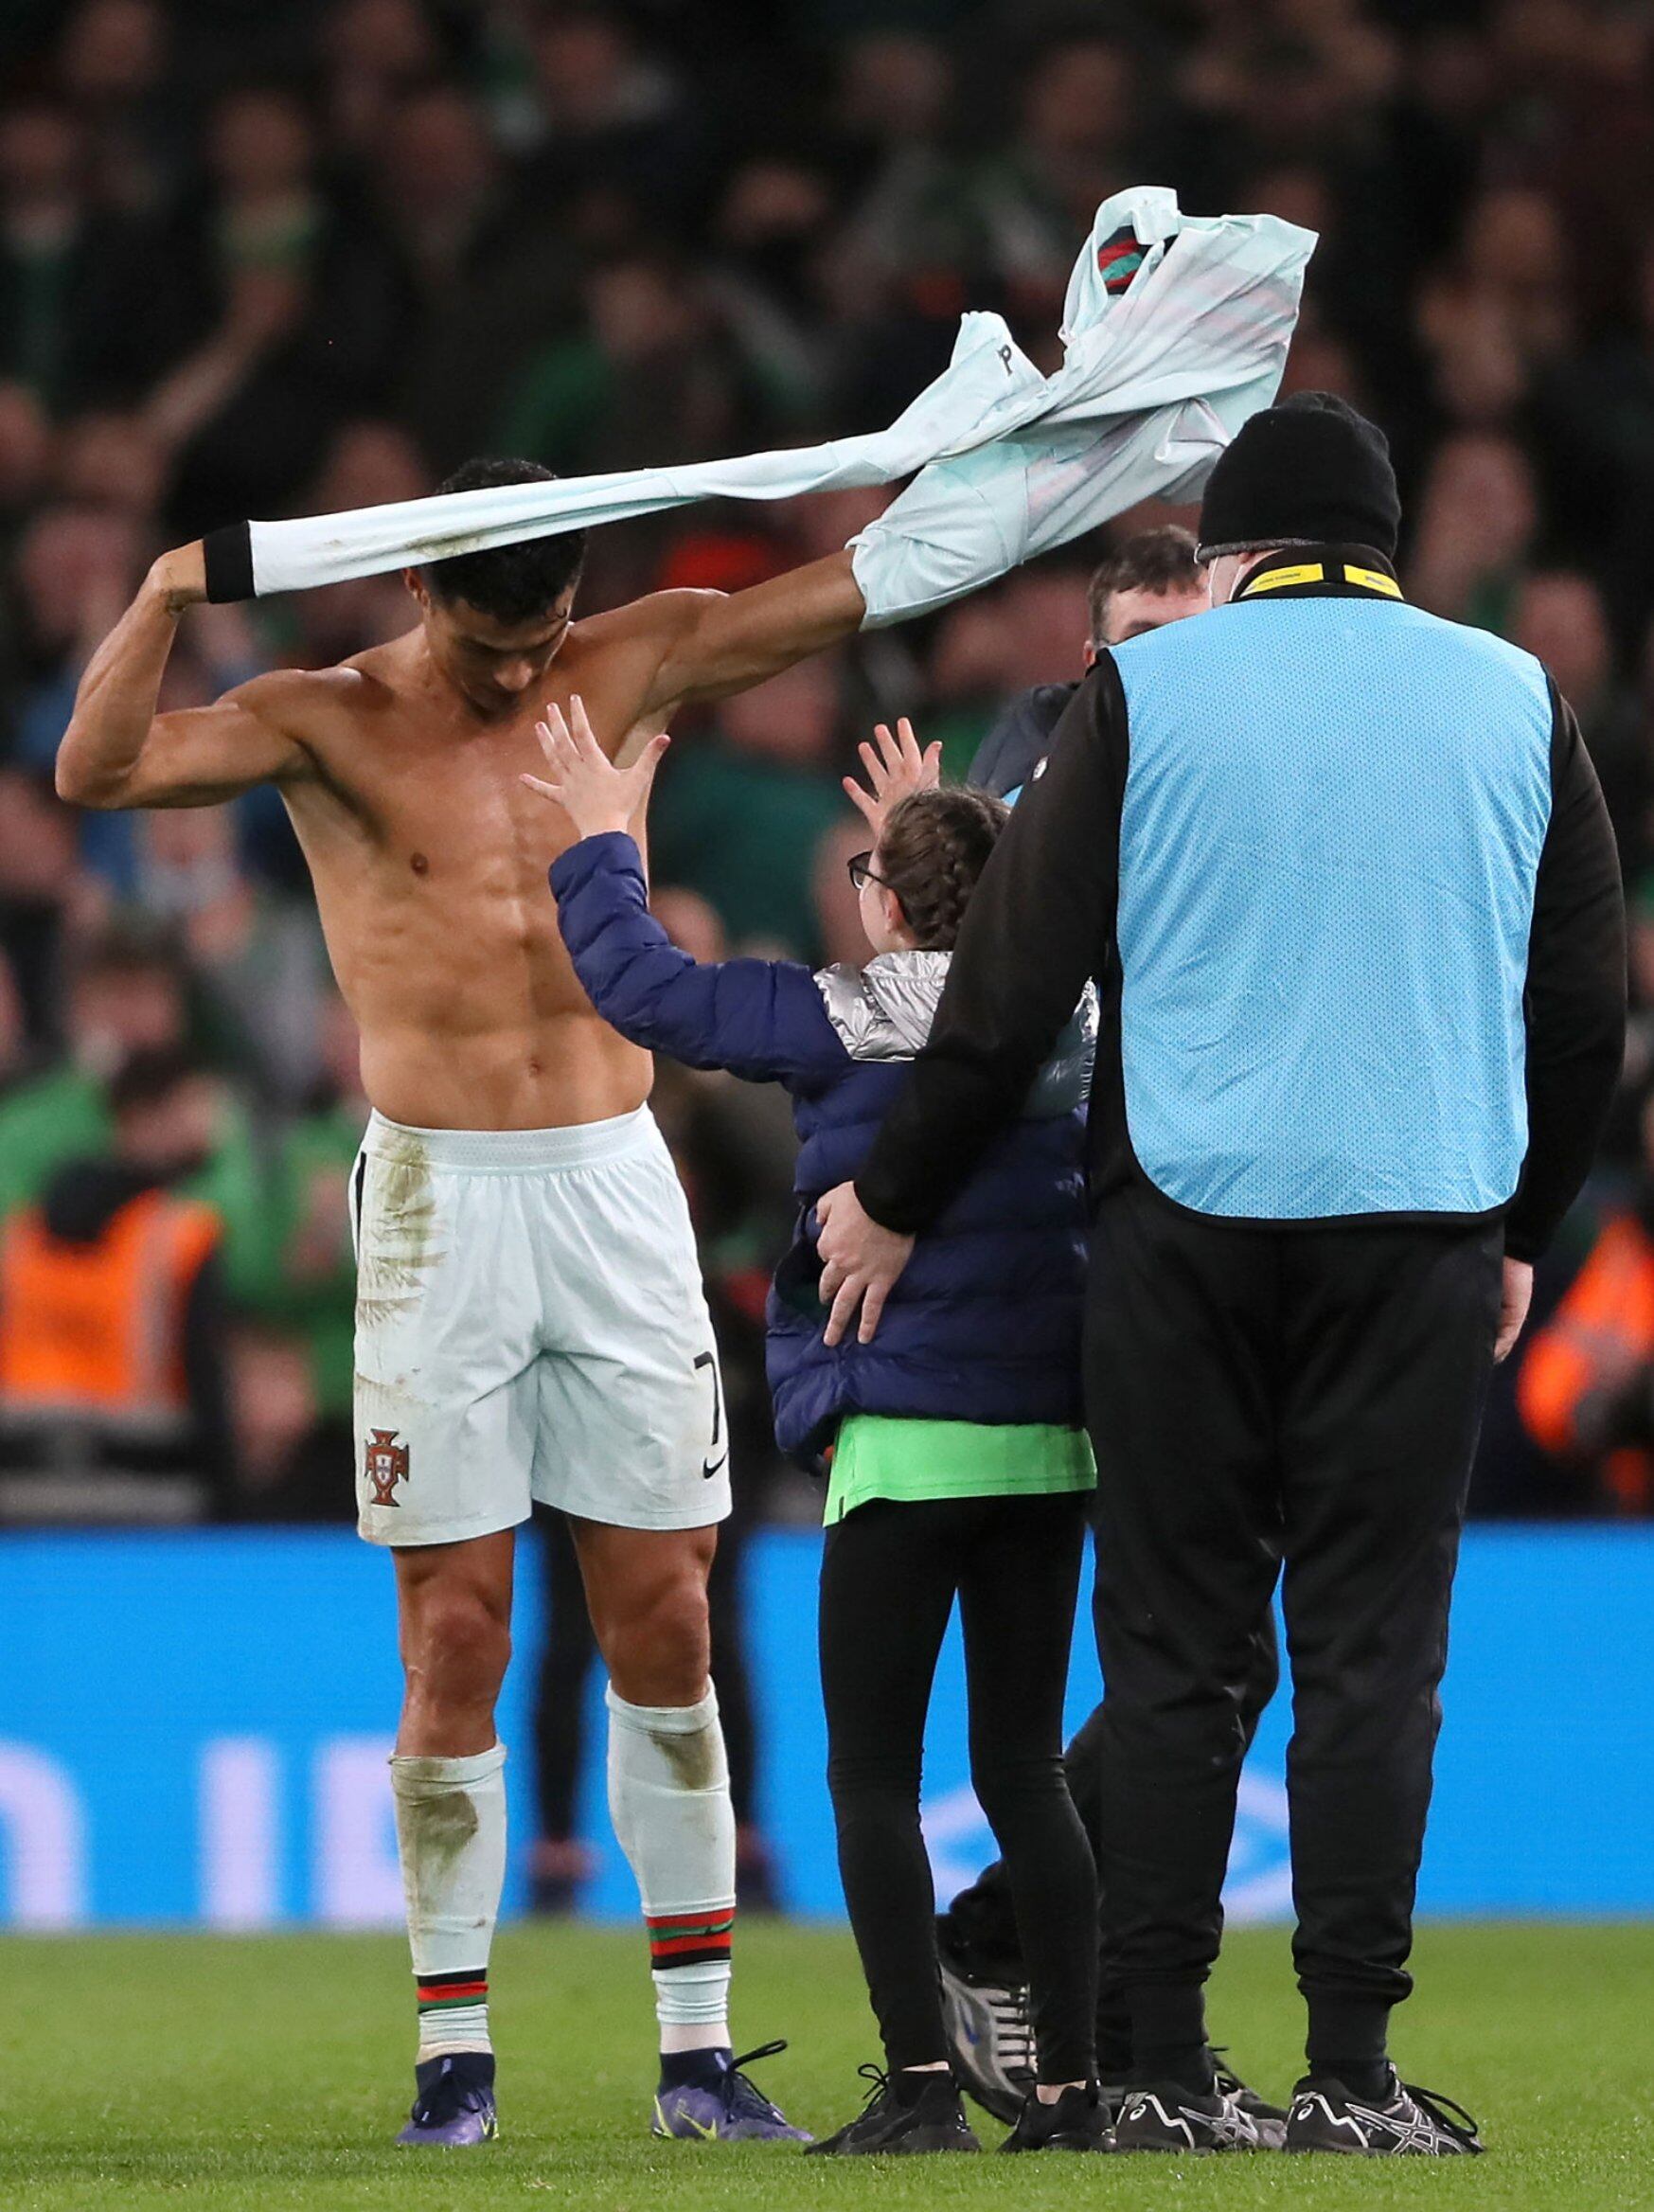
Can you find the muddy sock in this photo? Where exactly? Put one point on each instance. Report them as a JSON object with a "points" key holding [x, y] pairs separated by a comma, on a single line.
{"points": [[668, 1798], [451, 1837]]}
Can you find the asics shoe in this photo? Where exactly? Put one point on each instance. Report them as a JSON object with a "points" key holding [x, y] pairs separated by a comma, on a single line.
{"points": [[1270, 2119], [1167, 2116], [935, 2121], [723, 2105], [1403, 2123], [1077, 2120], [453, 2107], [990, 2032]]}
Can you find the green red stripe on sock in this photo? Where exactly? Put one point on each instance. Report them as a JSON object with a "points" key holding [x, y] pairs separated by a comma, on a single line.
{"points": [[1118, 260], [689, 1938], [442, 1992]]}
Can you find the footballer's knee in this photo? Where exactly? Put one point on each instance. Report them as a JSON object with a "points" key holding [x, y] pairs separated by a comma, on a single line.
{"points": [[457, 1644], [657, 1643]]}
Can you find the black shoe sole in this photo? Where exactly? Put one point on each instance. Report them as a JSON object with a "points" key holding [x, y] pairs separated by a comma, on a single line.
{"points": [[1071, 2143]]}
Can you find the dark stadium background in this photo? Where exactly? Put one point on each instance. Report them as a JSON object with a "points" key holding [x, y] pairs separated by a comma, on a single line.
{"points": [[269, 258]]}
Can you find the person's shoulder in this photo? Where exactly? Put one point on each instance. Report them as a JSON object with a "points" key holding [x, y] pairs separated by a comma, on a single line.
{"points": [[1019, 738], [657, 621], [306, 703], [53, 1092]]}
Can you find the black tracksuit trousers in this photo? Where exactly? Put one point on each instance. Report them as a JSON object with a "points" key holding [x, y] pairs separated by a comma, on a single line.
{"points": [[982, 1922], [1297, 1402]]}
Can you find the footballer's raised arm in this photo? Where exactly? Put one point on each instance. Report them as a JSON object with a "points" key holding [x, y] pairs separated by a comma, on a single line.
{"points": [[118, 751], [716, 642]]}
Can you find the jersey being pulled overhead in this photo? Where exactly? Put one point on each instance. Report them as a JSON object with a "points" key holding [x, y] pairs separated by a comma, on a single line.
{"points": [[1160, 367]]}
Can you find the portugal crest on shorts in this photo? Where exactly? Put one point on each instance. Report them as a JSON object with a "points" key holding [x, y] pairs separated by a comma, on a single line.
{"points": [[386, 1464]]}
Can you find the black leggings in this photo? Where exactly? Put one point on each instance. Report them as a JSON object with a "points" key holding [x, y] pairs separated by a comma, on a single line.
{"points": [[890, 1573]]}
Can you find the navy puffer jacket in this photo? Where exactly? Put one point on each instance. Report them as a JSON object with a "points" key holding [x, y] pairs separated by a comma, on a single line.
{"points": [[984, 1324]]}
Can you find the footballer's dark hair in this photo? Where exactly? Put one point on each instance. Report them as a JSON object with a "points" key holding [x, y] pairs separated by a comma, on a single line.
{"points": [[1161, 559], [512, 584]]}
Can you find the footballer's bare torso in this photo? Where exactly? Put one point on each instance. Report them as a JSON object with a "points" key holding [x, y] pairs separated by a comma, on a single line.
{"points": [[429, 857]]}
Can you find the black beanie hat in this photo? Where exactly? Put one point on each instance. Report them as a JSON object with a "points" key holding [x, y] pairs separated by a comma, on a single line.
{"points": [[1309, 471]]}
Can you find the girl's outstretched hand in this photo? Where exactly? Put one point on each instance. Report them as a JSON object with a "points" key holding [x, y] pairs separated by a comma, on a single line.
{"points": [[581, 778], [896, 767]]}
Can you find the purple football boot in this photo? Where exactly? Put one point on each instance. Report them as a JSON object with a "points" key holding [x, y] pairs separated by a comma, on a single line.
{"points": [[705, 2097], [455, 2104]]}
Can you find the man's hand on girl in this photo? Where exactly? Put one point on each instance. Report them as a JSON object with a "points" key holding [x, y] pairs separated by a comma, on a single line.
{"points": [[581, 778], [864, 1261]]}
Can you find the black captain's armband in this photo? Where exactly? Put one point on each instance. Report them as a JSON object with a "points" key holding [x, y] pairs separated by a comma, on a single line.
{"points": [[228, 555]]}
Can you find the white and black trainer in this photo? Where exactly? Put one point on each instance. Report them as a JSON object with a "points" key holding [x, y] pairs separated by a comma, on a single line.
{"points": [[1170, 2118], [991, 2036], [1403, 2123]]}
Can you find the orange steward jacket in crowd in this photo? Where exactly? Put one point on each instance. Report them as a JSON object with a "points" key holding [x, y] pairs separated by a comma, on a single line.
{"points": [[1595, 1349], [95, 1330]]}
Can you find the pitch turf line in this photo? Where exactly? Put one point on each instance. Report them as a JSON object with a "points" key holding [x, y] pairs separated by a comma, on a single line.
{"points": [[257, 2074]]}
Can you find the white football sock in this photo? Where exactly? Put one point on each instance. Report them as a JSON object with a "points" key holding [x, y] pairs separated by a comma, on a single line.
{"points": [[451, 1837], [669, 1799]]}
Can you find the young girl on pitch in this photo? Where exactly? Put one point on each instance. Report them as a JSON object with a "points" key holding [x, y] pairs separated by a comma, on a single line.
{"points": [[959, 1467]]}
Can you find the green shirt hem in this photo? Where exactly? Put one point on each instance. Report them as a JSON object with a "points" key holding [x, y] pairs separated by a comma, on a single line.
{"points": [[907, 1461]]}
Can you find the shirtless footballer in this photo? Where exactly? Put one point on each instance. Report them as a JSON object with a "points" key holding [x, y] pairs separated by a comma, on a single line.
{"points": [[530, 1321]]}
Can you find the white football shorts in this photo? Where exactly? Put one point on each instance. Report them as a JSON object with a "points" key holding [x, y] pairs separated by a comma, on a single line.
{"points": [[530, 1323]]}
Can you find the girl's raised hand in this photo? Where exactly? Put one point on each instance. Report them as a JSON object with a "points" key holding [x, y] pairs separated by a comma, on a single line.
{"points": [[581, 778], [896, 768]]}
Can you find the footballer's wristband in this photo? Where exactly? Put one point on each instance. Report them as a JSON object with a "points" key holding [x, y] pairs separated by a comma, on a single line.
{"points": [[228, 553]]}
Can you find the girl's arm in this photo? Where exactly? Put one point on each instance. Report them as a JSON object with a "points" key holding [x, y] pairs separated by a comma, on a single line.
{"points": [[762, 1018]]}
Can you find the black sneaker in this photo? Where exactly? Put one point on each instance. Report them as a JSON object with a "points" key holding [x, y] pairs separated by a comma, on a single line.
{"points": [[935, 2121], [1167, 2116], [1404, 2123], [1270, 2119], [990, 2029], [1077, 2120]]}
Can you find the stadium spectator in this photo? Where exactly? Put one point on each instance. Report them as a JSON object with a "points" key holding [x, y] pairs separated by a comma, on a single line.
{"points": [[1477, 521], [740, 814], [1558, 615], [127, 994], [293, 314], [294, 1351], [1586, 1391], [258, 960], [111, 1315], [42, 897]]}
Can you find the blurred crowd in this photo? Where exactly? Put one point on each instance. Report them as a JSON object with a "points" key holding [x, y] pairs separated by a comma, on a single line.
{"points": [[258, 260]]}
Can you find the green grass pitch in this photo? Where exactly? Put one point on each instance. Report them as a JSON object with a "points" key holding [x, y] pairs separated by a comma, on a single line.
{"points": [[227, 2074]]}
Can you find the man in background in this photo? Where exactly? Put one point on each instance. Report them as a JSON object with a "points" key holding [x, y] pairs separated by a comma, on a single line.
{"points": [[1153, 578]]}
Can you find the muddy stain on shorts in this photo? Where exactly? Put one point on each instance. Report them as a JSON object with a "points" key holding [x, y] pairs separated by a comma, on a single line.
{"points": [[398, 1245]]}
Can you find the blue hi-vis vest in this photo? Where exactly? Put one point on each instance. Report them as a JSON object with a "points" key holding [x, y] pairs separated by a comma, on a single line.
{"points": [[1332, 824]]}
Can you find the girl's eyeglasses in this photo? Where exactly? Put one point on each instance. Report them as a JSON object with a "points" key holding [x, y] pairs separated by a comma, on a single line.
{"points": [[860, 868]]}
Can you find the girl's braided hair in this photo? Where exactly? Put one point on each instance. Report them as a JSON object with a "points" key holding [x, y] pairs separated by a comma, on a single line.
{"points": [[931, 851]]}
